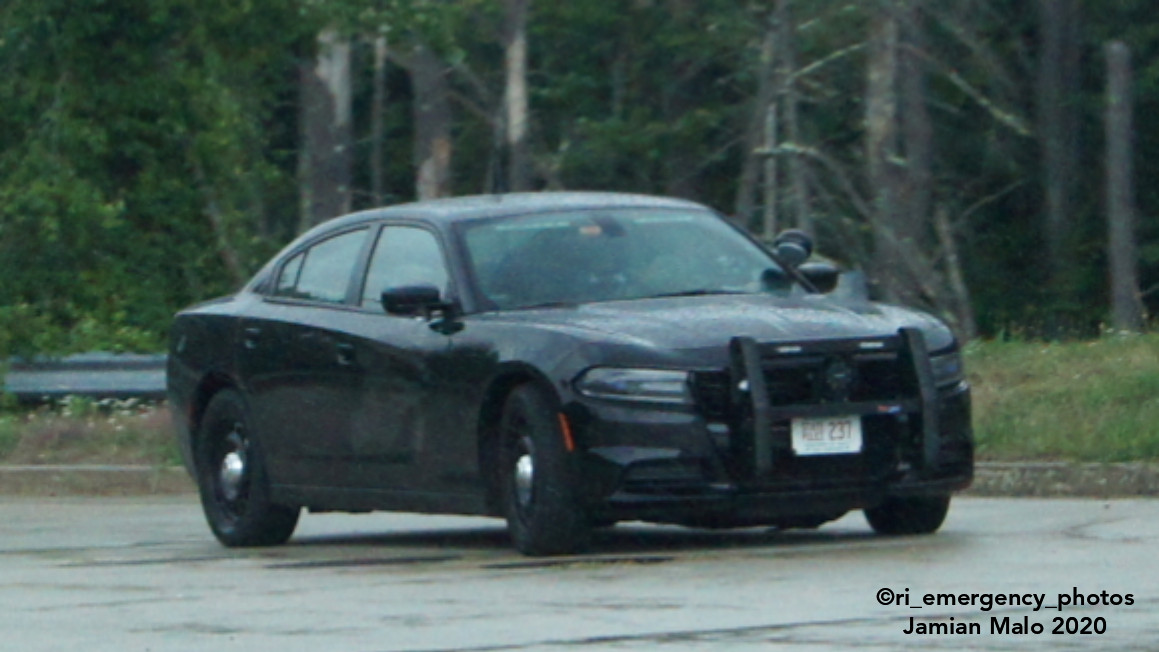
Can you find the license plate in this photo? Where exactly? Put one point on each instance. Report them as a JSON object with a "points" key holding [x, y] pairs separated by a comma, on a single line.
{"points": [[827, 435]]}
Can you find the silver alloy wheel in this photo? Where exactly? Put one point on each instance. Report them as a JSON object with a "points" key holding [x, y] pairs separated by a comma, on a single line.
{"points": [[524, 479], [232, 473]]}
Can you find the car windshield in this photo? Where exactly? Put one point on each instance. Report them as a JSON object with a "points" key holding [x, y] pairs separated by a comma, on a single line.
{"points": [[614, 254]]}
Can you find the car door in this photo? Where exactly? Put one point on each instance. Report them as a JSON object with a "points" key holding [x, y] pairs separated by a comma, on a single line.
{"points": [[406, 386], [297, 362]]}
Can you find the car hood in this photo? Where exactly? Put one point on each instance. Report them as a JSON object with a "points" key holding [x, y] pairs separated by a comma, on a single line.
{"points": [[687, 323]]}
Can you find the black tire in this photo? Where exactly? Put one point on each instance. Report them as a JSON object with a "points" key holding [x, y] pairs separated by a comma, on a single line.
{"points": [[909, 515], [232, 480], [544, 516]]}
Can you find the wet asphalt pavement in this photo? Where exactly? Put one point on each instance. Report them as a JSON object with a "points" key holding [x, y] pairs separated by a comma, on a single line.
{"points": [[144, 574]]}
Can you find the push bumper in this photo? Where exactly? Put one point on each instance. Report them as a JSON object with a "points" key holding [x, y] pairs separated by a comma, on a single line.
{"points": [[738, 465]]}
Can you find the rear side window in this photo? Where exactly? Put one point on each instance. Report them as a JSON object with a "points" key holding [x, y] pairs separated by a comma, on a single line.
{"points": [[288, 278], [322, 272]]}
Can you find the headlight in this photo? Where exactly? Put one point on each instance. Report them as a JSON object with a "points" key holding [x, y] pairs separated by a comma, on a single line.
{"points": [[948, 368], [656, 385]]}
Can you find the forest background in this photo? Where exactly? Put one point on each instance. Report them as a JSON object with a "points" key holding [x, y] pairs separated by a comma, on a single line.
{"points": [[987, 160]]}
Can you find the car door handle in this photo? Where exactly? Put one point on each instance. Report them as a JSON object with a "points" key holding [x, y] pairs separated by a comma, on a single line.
{"points": [[345, 354], [250, 337]]}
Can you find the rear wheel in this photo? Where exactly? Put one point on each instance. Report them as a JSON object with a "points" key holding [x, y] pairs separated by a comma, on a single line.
{"points": [[232, 481], [540, 501], [909, 515]]}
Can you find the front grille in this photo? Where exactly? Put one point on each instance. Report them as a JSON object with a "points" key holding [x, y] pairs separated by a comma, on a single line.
{"points": [[791, 383], [710, 391], [814, 378], [880, 378], [800, 381]]}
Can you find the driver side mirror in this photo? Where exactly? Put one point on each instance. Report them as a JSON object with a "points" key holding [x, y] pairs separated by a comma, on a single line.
{"points": [[823, 276], [425, 301], [411, 300]]}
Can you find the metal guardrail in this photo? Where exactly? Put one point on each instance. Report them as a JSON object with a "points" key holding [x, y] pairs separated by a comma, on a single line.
{"points": [[95, 375]]}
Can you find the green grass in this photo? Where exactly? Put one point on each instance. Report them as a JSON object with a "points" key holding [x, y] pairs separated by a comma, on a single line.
{"points": [[1094, 401]]}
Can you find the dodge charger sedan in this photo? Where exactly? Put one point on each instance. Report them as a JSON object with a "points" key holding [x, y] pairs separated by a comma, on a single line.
{"points": [[564, 361]]}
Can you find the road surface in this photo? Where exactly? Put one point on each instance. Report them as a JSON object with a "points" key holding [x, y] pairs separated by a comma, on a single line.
{"points": [[144, 574]]}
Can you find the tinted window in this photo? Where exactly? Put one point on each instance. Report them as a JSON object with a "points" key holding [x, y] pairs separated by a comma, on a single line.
{"points": [[288, 278], [322, 272], [606, 255], [404, 256]]}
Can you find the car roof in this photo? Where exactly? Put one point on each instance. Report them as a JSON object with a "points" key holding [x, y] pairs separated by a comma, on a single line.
{"points": [[451, 210], [473, 207]]}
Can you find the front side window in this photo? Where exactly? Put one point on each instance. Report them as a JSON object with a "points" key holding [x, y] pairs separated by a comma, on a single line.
{"points": [[404, 256], [322, 272]]}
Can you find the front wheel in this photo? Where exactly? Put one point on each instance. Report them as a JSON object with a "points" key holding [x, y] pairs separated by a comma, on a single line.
{"points": [[232, 481], [543, 512], [909, 515]]}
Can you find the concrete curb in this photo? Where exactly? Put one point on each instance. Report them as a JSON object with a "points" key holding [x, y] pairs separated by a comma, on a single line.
{"points": [[1011, 479], [1064, 479]]}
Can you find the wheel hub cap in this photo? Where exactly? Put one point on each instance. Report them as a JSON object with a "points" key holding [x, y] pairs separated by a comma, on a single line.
{"points": [[232, 474], [524, 476]]}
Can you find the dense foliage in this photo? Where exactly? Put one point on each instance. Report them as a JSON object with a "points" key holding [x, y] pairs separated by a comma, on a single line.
{"points": [[150, 149]]}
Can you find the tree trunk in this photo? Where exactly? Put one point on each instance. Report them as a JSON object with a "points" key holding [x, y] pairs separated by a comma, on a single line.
{"points": [[432, 120], [963, 308], [750, 162], [377, 128], [923, 282], [787, 63], [881, 150], [515, 97], [229, 254], [1057, 86], [326, 159], [770, 212], [1122, 250], [914, 209]]}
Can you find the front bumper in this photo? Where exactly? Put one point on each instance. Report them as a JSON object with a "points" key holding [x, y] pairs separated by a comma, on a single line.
{"points": [[735, 464]]}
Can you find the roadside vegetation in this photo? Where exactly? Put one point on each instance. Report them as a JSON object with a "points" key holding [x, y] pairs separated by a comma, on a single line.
{"points": [[155, 153], [1082, 401], [1088, 401], [77, 430]]}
